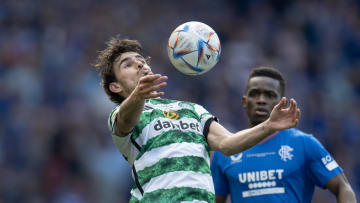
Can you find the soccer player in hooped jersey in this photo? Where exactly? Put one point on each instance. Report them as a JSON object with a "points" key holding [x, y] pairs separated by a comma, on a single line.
{"points": [[167, 142], [284, 167]]}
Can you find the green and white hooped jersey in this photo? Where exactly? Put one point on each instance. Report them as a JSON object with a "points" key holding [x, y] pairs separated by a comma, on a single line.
{"points": [[168, 152]]}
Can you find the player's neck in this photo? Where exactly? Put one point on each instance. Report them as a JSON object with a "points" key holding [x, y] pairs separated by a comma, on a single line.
{"points": [[253, 124]]}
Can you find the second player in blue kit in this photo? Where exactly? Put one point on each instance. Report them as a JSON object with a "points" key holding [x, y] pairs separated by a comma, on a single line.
{"points": [[286, 166]]}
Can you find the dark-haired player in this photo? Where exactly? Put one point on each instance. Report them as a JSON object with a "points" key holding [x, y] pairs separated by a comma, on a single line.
{"points": [[286, 166], [167, 142]]}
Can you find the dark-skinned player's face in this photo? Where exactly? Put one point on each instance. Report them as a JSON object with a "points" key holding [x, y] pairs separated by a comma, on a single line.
{"points": [[262, 94]]}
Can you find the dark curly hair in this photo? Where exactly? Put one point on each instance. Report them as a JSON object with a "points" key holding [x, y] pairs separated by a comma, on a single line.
{"points": [[269, 72], [106, 59]]}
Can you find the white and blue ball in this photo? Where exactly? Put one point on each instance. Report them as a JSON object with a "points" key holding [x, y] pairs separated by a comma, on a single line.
{"points": [[194, 48]]}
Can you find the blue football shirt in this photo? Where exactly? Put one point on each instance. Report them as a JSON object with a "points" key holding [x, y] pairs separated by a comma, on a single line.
{"points": [[284, 168]]}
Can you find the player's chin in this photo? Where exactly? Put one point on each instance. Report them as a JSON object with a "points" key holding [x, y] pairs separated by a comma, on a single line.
{"points": [[259, 118]]}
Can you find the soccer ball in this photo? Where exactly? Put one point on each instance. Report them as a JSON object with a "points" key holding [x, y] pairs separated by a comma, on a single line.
{"points": [[194, 48]]}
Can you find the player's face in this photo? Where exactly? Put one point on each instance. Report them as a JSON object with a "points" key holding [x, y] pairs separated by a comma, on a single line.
{"points": [[263, 93], [129, 67]]}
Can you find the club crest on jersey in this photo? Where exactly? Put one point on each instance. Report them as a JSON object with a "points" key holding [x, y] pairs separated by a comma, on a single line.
{"points": [[171, 114], [285, 152]]}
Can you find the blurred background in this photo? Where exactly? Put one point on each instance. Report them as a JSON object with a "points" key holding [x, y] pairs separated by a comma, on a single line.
{"points": [[54, 141]]}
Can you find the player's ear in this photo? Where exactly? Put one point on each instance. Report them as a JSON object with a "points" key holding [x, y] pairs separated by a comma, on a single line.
{"points": [[115, 87], [244, 102]]}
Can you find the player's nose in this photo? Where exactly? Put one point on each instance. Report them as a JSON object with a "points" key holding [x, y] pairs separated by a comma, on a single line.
{"points": [[261, 100], [140, 65], [146, 70]]}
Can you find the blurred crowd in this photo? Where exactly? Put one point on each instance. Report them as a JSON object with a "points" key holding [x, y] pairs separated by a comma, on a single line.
{"points": [[54, 142]]}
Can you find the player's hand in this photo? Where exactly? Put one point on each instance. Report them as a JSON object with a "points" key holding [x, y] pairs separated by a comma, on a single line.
{"points": [[283, 117], [149, 85]]}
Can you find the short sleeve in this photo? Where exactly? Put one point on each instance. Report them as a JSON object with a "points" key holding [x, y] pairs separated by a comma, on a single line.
{"points": [[205, 118], [219, 178], [122, 143], [321, 165], [112, 119]]}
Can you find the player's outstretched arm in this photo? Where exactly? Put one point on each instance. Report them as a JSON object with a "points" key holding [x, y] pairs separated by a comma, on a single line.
{"points": [[131, 108], [281, 117], [340, 187]]}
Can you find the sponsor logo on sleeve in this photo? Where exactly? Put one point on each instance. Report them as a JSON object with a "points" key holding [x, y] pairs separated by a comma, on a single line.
{"points": [[329, 162]]}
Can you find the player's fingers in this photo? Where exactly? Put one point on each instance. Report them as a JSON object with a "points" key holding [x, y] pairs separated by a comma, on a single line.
{"points": [[296, 122], [160, 80], [298, 113], [154, 88], [293, 106], [145, 84], [149, 78], [155, 94], [281, 104]]}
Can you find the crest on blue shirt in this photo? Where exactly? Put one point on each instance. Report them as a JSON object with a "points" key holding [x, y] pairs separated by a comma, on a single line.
{"points": [[285, 152]]}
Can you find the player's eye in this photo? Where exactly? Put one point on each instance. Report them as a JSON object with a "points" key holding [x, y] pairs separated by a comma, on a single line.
{"points": [[253, 93], [129, 64], [272, 95]]}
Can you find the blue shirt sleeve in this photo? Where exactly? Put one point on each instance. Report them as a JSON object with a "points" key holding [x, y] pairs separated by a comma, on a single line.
{"points": [[219, 178], [321, 165]]}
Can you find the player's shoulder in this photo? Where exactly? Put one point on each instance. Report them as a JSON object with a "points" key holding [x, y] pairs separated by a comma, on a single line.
{"points": [[299, 134]]}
